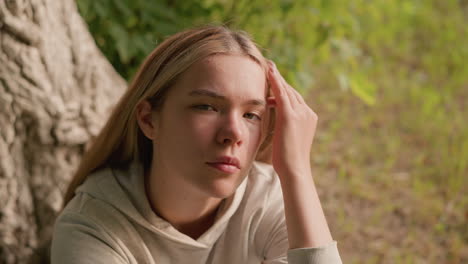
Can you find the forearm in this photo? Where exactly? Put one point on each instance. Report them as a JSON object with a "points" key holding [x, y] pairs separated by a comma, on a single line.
{"points": [[305, 219]]}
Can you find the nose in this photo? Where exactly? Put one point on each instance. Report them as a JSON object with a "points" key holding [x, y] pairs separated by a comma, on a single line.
{"points": [[230, 131]]}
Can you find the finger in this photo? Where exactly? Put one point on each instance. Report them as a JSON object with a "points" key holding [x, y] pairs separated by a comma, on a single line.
{"points": [[279, 92], [292, 92], [274, 84], [288, 98], [299, 97]]}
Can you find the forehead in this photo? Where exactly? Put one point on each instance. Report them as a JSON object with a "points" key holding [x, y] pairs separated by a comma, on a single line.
{"points": [[226, 74]]}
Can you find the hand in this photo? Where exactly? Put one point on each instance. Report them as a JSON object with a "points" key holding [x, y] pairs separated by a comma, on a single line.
{"points": [[294, 127]]}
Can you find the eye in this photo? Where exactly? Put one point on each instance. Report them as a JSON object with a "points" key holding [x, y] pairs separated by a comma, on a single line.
{"points": [[205, 107], [252, 116]]}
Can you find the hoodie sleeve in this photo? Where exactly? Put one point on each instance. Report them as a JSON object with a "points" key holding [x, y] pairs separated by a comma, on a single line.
{"points": [[327, 254], [79, 240], [277, 252]]}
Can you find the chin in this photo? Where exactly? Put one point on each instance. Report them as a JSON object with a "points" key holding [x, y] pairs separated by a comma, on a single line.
{"points": [[221, 188]]}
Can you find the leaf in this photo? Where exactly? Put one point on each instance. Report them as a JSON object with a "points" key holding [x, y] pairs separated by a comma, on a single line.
{"points": [[343, 81], [363, 88], [120, 37]]}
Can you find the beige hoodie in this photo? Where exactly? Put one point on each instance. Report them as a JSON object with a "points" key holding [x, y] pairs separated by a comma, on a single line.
{"points": [[110, 221]]}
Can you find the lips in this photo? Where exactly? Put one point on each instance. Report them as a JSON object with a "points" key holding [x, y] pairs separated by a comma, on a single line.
{"points": [[226, 164]]}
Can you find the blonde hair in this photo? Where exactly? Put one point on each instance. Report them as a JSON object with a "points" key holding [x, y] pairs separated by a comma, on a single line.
{"points": [[121, 141]]}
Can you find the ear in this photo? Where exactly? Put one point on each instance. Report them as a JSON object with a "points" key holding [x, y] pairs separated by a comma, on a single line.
{"points": [[146, 119]]}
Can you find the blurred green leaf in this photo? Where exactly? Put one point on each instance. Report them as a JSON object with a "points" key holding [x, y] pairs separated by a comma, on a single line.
{"points": [[121, 39], [363, 88]]}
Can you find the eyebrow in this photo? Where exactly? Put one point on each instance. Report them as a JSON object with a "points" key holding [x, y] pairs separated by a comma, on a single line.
{"points": [[201, 92]]}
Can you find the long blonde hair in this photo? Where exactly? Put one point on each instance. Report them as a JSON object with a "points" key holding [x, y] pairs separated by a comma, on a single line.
{"points": [[121, 141]]}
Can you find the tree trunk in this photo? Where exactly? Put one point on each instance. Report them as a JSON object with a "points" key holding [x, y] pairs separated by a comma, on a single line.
{"points": [[56, 89]]}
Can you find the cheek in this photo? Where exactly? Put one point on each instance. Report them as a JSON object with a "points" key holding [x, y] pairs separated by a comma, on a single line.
{"points": [[184, 129], [255, 134], [200, 127]]}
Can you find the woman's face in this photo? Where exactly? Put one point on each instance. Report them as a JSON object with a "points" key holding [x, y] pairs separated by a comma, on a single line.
{"points": [[216, 109]]}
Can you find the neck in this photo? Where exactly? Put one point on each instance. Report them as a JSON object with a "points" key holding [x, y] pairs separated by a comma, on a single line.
{"points": [[189, 213]]}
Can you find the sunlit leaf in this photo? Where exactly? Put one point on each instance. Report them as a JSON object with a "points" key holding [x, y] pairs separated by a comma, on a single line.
{"points": [[362, 87]]}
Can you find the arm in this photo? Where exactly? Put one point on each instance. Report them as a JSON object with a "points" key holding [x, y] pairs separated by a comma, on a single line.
{"points": [[295, 127], [302, 208], [310, 239], [273, 237]]}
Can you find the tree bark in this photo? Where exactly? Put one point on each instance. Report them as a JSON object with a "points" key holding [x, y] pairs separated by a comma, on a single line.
{"points": [[56, 90]]}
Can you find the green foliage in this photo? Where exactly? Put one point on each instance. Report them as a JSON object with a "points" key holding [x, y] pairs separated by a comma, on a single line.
{"points": [[296, 34], [349, 37], [127, 30]]}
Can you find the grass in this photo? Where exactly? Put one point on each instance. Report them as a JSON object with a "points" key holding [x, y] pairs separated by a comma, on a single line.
{"points": [[392, 176]]}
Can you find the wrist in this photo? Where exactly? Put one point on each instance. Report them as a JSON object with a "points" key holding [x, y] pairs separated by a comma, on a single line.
{"points": [[295, 172]]}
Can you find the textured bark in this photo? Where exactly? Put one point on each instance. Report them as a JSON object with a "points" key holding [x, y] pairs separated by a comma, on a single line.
{"points": [[56, 89]]}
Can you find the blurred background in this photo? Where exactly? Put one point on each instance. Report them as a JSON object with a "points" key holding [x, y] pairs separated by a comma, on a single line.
{"points": [[389, 81]]}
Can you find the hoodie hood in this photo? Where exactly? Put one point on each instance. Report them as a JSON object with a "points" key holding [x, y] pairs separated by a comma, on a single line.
{"points": [[124, 189]]}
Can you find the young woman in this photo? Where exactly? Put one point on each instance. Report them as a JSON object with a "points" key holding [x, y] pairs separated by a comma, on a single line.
{"points": [[180, 173]]}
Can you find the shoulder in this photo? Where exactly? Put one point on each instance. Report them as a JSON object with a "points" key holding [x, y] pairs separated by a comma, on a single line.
{"points": [[93, 216], [91, 200], [84, 206], [263, 168], [97, 206], [264, 201], [80, 233], [263, 172], [264, 192], [264, 180], [99, 203]]}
